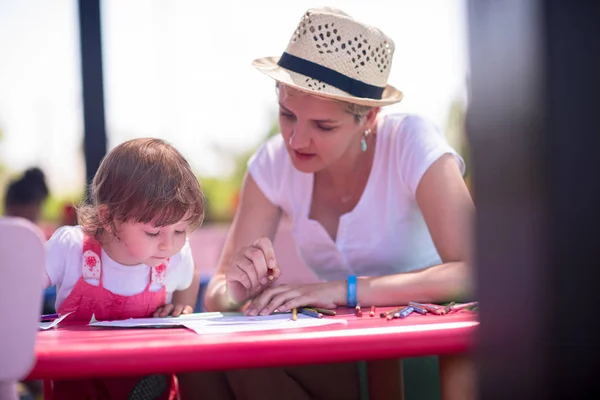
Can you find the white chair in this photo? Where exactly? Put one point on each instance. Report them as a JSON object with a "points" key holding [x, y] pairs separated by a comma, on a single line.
{"points": [[21, 278]]}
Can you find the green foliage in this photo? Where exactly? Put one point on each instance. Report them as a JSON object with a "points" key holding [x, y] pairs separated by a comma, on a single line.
{"points": [[222, 193]]}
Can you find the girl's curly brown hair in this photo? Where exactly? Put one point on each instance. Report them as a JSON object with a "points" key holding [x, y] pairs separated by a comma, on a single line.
{"points": [[142, 180]]}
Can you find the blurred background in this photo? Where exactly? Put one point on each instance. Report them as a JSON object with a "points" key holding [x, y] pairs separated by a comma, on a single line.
{"points": [[180, 70]]}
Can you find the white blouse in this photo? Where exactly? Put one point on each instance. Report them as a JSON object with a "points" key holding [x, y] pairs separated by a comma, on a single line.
{"points": [[386, 232]]}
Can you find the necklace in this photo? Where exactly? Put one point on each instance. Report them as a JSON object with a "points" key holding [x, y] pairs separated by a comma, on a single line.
{"points": [[355, 184]]}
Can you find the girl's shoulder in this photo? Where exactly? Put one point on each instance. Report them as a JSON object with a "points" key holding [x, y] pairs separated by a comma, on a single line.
{"points": [[67, 237]]}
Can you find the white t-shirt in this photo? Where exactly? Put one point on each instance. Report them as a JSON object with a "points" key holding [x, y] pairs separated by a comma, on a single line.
{"points": [[64, 260], [386, 232]]}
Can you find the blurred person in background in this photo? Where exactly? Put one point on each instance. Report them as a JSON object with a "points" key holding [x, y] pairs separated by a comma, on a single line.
{"points": [[25, 196]]}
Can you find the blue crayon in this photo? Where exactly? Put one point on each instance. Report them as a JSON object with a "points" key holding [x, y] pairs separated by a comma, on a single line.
{"points": [[406, 312], [419, 310]]}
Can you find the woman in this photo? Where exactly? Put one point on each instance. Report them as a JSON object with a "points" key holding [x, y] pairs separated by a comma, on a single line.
{"points": [[379, 197]]}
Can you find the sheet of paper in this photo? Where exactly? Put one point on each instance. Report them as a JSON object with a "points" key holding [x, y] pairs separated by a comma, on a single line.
{"points": [[222, 323], [159, 322], [51, 324], [252, 324]]}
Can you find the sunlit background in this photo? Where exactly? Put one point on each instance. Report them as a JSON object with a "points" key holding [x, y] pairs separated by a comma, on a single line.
{"points": [[180, 70]]}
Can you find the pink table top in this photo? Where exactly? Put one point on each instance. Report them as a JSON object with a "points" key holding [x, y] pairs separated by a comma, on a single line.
{"points": [[80, 351]]}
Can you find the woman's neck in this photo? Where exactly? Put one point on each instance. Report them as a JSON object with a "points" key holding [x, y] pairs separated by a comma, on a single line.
{"points": [[345, 171]]}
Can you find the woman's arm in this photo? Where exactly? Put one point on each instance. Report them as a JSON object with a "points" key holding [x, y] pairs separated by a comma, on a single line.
{"points": [[448, 211], [256, 217]]}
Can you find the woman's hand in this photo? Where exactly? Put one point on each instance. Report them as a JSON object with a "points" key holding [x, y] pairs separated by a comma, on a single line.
{"points": [[286, 297], [250, 269], [174, 310]]}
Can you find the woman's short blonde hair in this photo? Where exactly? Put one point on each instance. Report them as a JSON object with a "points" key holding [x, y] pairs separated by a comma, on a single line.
{"points": [[359, 111]]}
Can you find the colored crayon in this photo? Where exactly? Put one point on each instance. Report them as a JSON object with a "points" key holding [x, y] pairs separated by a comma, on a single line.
{"points": [[358, 311], [311, 313], [406, 312], [323, 311], [429, 307], [391, 312], [419, 310], [447, 309], [458, 307]]}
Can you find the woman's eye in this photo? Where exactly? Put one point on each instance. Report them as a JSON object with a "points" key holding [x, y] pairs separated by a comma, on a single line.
{"points": [[152, 234], [179, 232], [286, 115], [325, 128]]}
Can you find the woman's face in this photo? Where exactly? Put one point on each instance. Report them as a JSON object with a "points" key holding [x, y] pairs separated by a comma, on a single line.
{"points": [[317, 132]]}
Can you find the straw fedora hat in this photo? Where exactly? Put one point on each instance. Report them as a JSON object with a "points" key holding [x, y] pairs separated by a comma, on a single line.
{"points": [[333, 55]]}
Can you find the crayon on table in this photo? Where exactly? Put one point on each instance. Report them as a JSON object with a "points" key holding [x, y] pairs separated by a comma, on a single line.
{"points": [[372, 313], [458, 307], [430, 308], [311, 313], [447, 309], [323, 311], [391, 312], [49, 317], [395, 313], [406, 312], [358, 311], [419, 310], [294, 314]]}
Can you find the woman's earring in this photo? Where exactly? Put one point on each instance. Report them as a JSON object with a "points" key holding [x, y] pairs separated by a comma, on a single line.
{"points": [[363, 141]]}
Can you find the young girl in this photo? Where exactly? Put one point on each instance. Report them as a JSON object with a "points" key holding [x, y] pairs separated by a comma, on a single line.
{"points": [[130, 256]]}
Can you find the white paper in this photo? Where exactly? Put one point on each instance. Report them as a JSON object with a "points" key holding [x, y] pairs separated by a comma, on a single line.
{"points": [[251, 324], [51, 324], [203, 323], [158, 322]]}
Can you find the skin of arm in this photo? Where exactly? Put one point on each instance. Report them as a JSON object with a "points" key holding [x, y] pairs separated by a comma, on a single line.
{"points": [[448, 210], [189, 296], [256, 217]]}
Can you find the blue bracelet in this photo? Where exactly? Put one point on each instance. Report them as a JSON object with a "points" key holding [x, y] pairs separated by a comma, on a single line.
{"points": [[351, 291]]}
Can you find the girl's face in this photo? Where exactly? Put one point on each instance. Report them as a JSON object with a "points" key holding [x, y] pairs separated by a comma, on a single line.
{"points": [[317, 132], [140, 243]]}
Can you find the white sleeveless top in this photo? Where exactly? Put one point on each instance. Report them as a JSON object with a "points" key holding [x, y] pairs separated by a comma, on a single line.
{"points": [[385, 233]]}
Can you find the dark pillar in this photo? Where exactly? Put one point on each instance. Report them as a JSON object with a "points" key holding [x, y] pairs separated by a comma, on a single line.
{"points": [[92, 85], [534, 129]]}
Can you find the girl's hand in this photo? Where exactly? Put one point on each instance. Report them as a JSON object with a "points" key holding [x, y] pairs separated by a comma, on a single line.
{"points": [[285, 297], [174, 310], [248, 272]]}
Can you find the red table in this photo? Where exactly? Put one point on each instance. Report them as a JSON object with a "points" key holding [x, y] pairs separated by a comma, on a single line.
{"points": [[79, 351]]}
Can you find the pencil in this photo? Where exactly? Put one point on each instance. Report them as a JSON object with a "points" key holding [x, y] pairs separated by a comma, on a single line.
{"points": [[391, 312], [323, 311], [270, 274], [448, 308], [429, 307], [49, 317], [311, 313], [372, 313], [294, 314], [458, 307], [419, 310], [358, 311], [406, 312]]}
